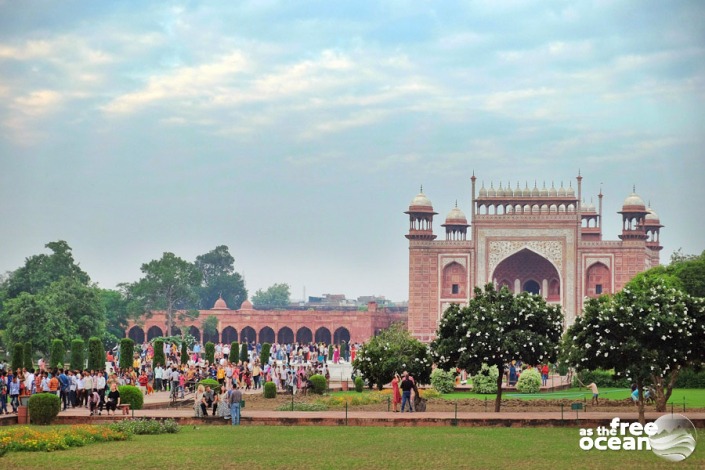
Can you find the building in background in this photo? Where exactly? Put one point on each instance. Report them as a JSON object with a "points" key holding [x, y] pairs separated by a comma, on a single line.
{"points": [[540, 240]]}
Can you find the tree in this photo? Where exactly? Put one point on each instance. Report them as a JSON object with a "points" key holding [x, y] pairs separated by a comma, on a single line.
{"points": [[78, 354], [495, 328], [18, 357], [127, 352], [264, 354], [115, 306], [68, 299], [27, 355], [159, 358], [244, 357], [58, 354], [690, 270], [96, 354], [217, 268], [646, 332], [392, 351], [184, 352], [276, 296], [210, 352], [210, 327], [169, 283], [39, 271]]}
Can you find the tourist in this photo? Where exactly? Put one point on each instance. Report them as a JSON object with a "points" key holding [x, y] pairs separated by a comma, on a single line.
{"points": [[256, 372], [113, 399], [234, 399], [209, 399], [396, 394], [94, 401], [199, 403], [336, 355], [406, 386], [223, 410], [143, 380], [73, 386], [544, 375], [64, 387], [99, 384], [3, 393], [14, 391], [158, 375]]}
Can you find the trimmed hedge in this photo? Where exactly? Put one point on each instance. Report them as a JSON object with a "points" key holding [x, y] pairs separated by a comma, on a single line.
{"points": [[212, 383], [132, 395], [270, 390], [264, 354], [442, 380], [244, 357], [143, 426], [602, 378], [44, 408], [159, 358], [127, 353], [319, 384], [359, 384], [234, 352], [210, 352], [529, 381], [96, 354], [27, 355], [18, 356], [58, 354], [485, 381], [78, 354], [184, 353]]}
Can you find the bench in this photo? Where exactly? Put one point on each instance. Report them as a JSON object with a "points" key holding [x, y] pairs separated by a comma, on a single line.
{"points": [[125, 408]]}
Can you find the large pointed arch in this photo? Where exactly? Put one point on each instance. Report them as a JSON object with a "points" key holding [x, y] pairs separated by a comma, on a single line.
{"points": [[528, 271], [136, 334], [154, 332]]}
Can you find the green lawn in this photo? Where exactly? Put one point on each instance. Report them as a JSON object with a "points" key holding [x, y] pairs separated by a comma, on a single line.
{"points": [[694, 397], [254, 447]]}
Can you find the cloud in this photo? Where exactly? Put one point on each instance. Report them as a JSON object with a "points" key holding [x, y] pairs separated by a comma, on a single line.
{"points": [[37, 102]]}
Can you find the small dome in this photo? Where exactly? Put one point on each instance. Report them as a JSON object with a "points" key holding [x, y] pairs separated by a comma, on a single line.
{"points": [[652, 216], [570, 191], [634, 202], [552, 192], [526, 192], [483, 191], [589, 207], [456, 217], [535, 192], [543, 192], [500, 190], [561, 191], [246, 305], [491, 192], [421, 200], [508, 192], [220, 304]]}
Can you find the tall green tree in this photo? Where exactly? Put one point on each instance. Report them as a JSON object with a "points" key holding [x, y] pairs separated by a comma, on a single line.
{"points": [[217, 268], [29, 316], [96, 354], [646, 332], [495, 328], [115, 305], [159, 358], [170, 284], [234, 352], [210, 328], [244, 356], [27, 355], [57, 355], [276, 296], [264, 354], [392, 351], [210, 352], [78, 354], [127, 353], [18, 356]]}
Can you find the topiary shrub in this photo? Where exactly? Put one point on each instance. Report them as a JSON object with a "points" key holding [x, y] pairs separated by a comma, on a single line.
{"points": [[57, 354], [330, 352], [184, 353], [18, 356], [127, 352], [485, 381], [270, 390], [244, 357], [43, 408], [210, 352], [318, 384], [132, 395], [359, 384], [442, 380], [78, 354], [212, 383], [27, 355], [96, 354], [158, 358], [529, 381], [264, 354]]}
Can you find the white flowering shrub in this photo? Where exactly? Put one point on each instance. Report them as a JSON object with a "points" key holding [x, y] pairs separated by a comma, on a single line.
{"points": [[529, 381], [443, 381], [485, 381]]}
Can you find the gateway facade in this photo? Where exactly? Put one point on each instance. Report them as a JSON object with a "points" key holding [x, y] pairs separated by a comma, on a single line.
{"points": [[540, 240]]}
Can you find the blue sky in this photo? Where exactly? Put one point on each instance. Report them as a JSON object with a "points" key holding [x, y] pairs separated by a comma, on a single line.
{"points": [[297, 133]]}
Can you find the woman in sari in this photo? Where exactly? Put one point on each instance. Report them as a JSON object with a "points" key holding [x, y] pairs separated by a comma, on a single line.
{"points": [[396, 393]]}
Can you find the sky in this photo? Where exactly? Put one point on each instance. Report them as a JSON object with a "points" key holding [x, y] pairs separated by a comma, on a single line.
{"points": [[297, 133]]}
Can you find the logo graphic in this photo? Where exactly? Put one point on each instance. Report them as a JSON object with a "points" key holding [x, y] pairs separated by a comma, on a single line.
{"points": [[675, 439]]}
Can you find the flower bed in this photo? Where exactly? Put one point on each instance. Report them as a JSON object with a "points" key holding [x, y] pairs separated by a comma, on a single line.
{"points": [[26, 439]]}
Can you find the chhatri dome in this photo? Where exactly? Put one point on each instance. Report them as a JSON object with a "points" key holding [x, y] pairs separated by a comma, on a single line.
{"points": [[246, 305], [220, 304], [456, 217], [634, 202], [421, 203]]}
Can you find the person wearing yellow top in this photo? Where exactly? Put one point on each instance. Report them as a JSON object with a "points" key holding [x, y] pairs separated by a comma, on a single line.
{"points": [[256, 373], [136, 363], [220, 375]]}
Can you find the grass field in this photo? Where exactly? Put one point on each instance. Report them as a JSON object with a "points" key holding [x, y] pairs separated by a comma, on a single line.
{"points": [[694, 397], [255, 447]]}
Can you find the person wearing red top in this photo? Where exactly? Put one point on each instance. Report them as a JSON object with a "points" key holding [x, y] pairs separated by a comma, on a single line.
{"points": [[143, 380], [544, 374], [396, 394]]}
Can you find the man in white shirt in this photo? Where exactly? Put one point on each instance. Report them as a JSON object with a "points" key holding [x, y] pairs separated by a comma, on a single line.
{"points": [[99, 383], [158, 375], [29, 382]]}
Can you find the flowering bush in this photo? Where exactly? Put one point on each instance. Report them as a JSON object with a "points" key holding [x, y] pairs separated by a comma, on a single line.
{"points": [[529, 381], [146, 426], [486, 380], [442, 380], [26, 439]]}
